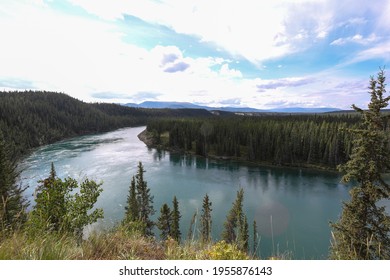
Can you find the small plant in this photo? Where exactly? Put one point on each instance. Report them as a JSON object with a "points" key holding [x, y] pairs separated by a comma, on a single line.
{"points": [[225, 251]]}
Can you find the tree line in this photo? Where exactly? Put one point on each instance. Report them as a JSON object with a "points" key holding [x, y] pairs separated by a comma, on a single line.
{"points": [[29, 119], [295, 140]]}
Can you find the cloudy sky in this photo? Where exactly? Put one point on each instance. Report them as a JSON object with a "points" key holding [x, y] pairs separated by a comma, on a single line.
{"points": [[257, 53]]}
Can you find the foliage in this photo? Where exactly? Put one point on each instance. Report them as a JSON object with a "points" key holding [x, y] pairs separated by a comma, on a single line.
{"points": [[164, 223], [132, 209], [225, 251], [139, 207], [363, 230], [59, 209], [205, 220], [243, 236], [12, 202], [175, 230], [234, 219]]}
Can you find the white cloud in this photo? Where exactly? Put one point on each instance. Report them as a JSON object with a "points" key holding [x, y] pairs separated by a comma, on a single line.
{"points": [[87, 57], [358, 39], [256, 30], [263, 85], [380, 51], [225, 71]]}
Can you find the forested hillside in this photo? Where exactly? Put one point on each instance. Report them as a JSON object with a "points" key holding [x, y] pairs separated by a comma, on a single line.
{"points": [[296, 140], [32, 118]]}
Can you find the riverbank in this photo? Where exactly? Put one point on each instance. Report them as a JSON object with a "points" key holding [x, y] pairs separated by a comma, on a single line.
{"points": [[147, 138]]}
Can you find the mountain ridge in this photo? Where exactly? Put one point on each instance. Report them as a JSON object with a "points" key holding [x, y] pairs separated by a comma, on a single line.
{"points": [[188, 105]]}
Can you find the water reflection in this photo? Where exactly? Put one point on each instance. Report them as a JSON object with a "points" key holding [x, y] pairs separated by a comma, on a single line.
{"points": [[187, 160], [158, 154]]}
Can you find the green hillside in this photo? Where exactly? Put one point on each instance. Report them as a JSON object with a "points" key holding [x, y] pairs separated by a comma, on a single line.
{"points": [[32, 118]]}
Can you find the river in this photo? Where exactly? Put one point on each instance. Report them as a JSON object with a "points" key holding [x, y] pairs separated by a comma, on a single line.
{"points": [[292, 207]]}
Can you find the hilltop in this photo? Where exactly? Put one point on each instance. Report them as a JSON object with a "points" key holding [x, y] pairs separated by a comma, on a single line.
{"points": [[29, 119], [188, 105]]}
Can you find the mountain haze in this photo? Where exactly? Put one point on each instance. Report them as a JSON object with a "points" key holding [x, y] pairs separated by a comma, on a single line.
{"points": [[188, 105]]}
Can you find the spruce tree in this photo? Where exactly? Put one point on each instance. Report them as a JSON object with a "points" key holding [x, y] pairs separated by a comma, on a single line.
{"points": [[144, 200], [363, 230], [164, 223], [175, 231], [233, 219], [12, 202], [205, 223], [132, 209]]}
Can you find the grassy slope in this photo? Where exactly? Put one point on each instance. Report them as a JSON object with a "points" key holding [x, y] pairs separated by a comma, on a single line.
{"points": [[114, 245]]}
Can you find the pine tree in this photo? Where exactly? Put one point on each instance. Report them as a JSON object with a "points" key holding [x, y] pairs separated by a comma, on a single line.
{"points": [[132, 209], [144, 200], [164, 223], [363, 230], [243, 236], [233, 219], [12, 202], [205, 224], [175, 231]]}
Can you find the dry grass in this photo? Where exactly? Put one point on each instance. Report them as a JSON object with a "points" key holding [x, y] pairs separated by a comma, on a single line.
{"points": [[19, 246], [112, 245], [118, 245]]}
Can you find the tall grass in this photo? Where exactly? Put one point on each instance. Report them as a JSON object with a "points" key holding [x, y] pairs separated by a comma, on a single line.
{"points": [[19, 246], [116, 244]]}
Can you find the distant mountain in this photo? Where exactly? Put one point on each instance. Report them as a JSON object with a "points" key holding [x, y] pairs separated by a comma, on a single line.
{"points": [[188, 105], [166, 105], [303, 110]]}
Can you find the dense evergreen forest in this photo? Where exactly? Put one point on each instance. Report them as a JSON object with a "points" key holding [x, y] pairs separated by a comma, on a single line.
{"points": [[318, 140], [32, 118]]}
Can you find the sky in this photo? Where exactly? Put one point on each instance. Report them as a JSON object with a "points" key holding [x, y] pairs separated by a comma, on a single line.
{"points": [[244, 53]]}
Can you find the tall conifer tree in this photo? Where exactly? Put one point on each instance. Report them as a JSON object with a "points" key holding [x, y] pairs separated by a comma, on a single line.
{"points": [[164, 223], [132, 209], [144, 200], [206, 221], [234, 218], [175, 231], [12, 202], [363, 230]]}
